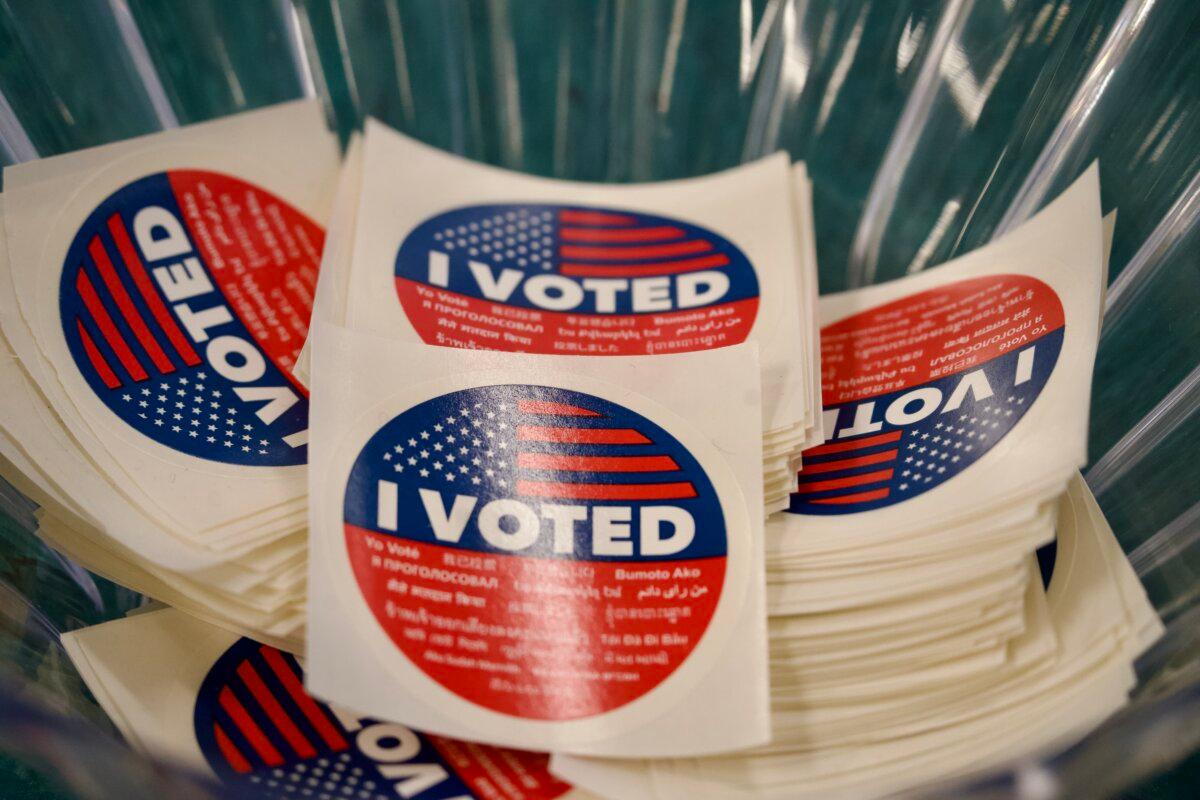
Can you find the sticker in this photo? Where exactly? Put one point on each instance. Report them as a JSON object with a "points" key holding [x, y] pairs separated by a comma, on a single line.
{"points": [[258, 728], [573, 280], [185, 299], [917, 390], [540, 552]]}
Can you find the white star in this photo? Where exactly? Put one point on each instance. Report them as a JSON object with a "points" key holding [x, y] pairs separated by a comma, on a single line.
{"points": [[424, 434], [424, 454], [437, 428], [193, 434], [162, 398], [245, 449], [475, 480], [956, 458], [145, 391], [210, 439], [476, 442], [387, 456], [412, 462], [398, 467], [212, 427], [437, 465], [143, 403], [464, 412], [228, 443], [176, 428], [126, 397], [450, 457], [412, 442], [263, 442], [424, 473], [449, 476], [201, 375], [437, 446], [183, 380], [489, 472], [450, 439], [463, 469], [903, 486], [464, 431], [462, 451]]}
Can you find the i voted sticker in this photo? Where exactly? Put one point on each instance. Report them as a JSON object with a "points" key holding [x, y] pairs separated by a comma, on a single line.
{"points": [[539, 552], [259, 729], [573, 280], [919, 389], [185, 298]]}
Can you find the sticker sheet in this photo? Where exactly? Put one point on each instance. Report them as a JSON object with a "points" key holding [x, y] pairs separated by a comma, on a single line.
{"points": [[539, 551], [187, 692], [156, 293], [483, 258]]}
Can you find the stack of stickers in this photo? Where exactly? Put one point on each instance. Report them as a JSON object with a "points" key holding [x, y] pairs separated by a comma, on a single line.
{"points": [[539, 551], [913, 634], [427, 247], [156, 293], [234, 709]]}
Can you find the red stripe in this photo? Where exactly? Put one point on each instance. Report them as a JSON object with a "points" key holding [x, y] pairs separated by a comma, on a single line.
{"points": [[128, 309], [141, 279], [858, 497], [229, 750], [547, 407], [307, 705], [275, 711], [541, 433], [627, 235], [595, 218], [249, 728], [596, 463], [853, 444], [841, 483], [634, 270], [99, 363], [847, 463], [634, 253], [83, 284], [608, 491]]}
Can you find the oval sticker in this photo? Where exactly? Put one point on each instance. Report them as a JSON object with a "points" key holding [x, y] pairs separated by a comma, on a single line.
{"points": [[917, 390], [540, 552], [573, 280], [185, 298], [258, 729]]}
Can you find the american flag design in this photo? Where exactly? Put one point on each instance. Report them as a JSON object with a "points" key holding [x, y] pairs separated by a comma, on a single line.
{"points": [[883, 448], [536, 444], [261, 732], [562, 536], [573, 279], [144, 330]]}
